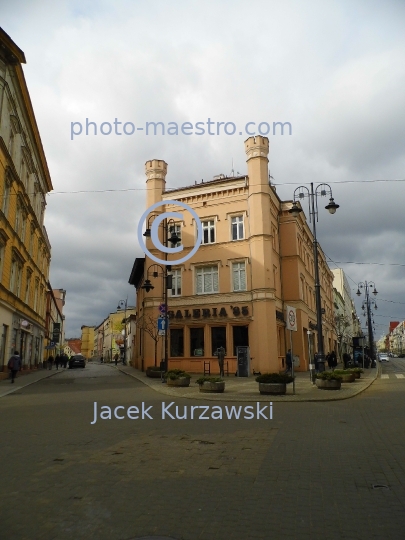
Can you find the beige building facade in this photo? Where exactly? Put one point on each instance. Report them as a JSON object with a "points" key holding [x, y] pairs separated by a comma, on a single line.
{"points": [[254, 260], [25, 251], [87, 341]]}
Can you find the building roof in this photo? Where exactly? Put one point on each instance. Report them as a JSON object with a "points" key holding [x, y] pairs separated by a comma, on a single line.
{"points": [[137, 271], [217, 180]]}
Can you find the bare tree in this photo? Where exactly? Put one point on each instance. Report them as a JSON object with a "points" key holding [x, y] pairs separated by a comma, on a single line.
{"points": [[342, 324], [149, 324]]}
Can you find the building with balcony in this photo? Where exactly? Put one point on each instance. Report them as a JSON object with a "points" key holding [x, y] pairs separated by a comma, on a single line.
{"points": [[255, 259], [25, 251]]}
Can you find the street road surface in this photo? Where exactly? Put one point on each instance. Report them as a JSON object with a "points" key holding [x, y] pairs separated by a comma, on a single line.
{"points": [[330, 470]]}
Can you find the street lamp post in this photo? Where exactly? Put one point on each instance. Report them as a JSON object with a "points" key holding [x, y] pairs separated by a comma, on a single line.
{"points": [[366, 286], [120, 304], [168, 226], [321, 190]]}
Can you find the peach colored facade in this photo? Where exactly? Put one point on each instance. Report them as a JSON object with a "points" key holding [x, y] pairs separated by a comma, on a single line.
{"points": [[255, 260]]}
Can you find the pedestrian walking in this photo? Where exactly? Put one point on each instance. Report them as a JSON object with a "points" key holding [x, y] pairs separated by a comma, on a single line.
{"points": [[116, 359], [50, 362], [333, 359], [57, 361], [346, 360], [329, 360], [316, 362], [14, 365], [221, 358], [65, 360], [288, 361]]}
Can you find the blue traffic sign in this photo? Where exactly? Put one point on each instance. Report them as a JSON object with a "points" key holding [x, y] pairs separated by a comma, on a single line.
{"points": [[162, 326]]}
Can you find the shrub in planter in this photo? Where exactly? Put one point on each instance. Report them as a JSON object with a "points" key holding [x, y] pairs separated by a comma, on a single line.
{"points": [[177, 377], [214, 385], [273, 383], [328, 380], [153, 372], [346, 374], [357, 372]]}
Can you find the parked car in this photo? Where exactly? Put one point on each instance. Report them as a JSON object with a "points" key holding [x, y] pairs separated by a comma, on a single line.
{"points": [[78, 360], [383, 357]]}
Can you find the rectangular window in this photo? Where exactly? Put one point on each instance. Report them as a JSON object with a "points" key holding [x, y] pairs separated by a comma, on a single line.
{"points": [[31, 244], [11, 143], [17, 220], [239, 276], [208, 232], [207, 279], [196, 341], [28, 287], [240, 337], [176, 283], [2, 252], [6, 197], [177, 342], [36, 295], [23, 227], [13, 274], [237, 228], [18, 279], [218, 338]]}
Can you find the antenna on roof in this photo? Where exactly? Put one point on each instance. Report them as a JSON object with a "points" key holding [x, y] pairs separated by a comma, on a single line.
{"points": [[233, 171]]}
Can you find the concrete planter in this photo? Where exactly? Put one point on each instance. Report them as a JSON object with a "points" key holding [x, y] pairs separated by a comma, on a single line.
{"points": [[356, 375], [153, 373], [348, 378], [272, 389], [182, 381], [212, 387], [328, 385]]}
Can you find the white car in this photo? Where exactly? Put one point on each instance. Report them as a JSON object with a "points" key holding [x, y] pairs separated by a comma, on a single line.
{"points": [[383, 357]]}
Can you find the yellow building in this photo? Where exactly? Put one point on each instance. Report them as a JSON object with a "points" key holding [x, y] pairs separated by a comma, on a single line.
{"points": [[254, 260], [25, 251], [87, 341], [109, 334]]}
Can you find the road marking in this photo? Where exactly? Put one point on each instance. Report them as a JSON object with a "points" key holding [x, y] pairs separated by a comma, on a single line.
{"points": [[399, 376], [385, 376]]}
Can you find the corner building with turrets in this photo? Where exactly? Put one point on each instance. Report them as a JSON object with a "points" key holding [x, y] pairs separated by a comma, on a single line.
{"points": [[254, 260]]}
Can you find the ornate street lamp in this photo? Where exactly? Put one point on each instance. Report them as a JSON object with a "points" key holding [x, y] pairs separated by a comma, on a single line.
{"points": [[367, 307], [320, 191], [125, 304], [168, 227]]}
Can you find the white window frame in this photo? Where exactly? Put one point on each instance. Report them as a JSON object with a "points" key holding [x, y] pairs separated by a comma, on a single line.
{"points": [[208, 225], [239, 223], [200, 273], [13, 273], [28, 287], [176, 282], [6, 197], [238, 267]]}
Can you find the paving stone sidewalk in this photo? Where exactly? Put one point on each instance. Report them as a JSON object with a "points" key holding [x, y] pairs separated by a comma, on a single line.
{"points": [[246, 389], [21, 381]]}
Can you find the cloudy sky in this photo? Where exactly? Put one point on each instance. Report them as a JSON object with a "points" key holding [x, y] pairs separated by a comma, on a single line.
{"points": [[335, 70]]}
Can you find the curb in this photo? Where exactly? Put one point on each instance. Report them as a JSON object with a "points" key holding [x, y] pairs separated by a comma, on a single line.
{"points": [[233, 397], [12, 390]]}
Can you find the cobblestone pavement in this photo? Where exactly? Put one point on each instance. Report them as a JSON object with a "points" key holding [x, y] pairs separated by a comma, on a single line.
{"points": [[306, 474], [247, 389]]}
